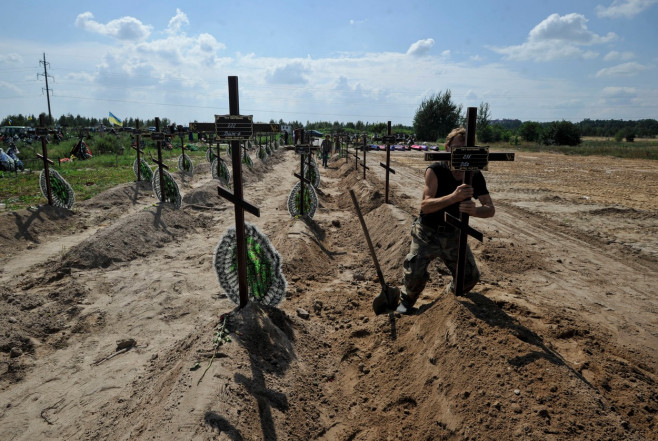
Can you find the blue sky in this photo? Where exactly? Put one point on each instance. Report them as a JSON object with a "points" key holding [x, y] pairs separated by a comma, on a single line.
{"points": [[311, 60]]}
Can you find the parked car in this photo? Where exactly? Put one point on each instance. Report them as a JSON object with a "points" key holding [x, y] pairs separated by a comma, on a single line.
{"points": [[314, 134]]}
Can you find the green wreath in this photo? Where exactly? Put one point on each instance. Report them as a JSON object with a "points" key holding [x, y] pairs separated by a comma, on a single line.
{"points": [[210, 154], [61, 190], [172, 193], [246, 160], [224, 175], [145, 172], [265, 280], [310, 198], [185, 164]]}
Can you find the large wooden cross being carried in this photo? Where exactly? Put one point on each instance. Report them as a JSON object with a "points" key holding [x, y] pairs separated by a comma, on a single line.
{"points": [[468, 159]]}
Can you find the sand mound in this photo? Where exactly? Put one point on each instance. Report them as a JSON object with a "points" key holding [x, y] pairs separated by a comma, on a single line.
{"points": [[34, 224], [132, 237]]}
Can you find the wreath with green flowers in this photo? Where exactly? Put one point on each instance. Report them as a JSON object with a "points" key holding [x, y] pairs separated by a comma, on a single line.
{"points": [[265, 280], [295, 201], [210, 154], [246, 160], [61, 191], [312, 173], [262, 153], [145, 172], [172, 193], [224, 175], [185, 164]]}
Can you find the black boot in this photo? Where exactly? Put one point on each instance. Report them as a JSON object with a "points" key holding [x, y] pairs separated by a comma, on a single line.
{"points": [[406, 305]]}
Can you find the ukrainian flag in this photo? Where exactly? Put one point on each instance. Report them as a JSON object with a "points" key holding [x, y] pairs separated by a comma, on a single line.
{"points": [[114, 120]]}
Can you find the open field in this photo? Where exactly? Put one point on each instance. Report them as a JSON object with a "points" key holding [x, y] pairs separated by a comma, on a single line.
{"points": [[559, 340]]}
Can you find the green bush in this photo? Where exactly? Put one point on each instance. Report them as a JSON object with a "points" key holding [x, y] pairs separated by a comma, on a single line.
{"points": [[561, 133]]}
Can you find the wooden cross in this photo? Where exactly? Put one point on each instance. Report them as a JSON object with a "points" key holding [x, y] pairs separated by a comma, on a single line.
{"points": [[158, 137], [42, 132], [234, 128], [304, 152], [356, 156], [209, 129], [181, 134], [139, 150], [469, 159], [388, 140]]}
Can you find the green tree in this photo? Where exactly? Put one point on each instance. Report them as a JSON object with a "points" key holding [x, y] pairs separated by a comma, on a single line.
{"points": [[530, 131], [484, 131], [561, 133], [436, 116]]}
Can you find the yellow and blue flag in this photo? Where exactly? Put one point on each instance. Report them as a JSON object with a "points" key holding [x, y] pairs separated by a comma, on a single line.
{"points": [[114, 120]]}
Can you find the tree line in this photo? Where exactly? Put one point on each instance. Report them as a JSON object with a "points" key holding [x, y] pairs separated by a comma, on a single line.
{"points": [[435, 117]]}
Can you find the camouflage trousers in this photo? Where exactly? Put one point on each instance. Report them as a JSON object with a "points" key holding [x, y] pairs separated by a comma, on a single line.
{"points": [[426, 245]]}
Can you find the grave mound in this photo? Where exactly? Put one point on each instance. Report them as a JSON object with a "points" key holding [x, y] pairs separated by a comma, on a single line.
{"points": [[132, 237]]}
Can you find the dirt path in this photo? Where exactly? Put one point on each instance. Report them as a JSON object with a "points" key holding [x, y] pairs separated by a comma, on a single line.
{"points": [[558, 341]]}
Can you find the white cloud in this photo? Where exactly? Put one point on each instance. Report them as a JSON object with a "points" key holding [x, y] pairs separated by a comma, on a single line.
{"points": [[292, 73], [557, 37], [177, 22], [624, 8], [10, 87], [124, 28], [11, 58], [421, 47], [618, 96], [621, 70], [615, 55]]}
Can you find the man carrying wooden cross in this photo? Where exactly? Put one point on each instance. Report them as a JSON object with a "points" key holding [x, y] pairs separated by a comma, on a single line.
{"points": [[431, 236]]}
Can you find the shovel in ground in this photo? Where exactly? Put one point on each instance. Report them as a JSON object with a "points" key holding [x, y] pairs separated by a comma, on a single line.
{"points": [[388, 298]]}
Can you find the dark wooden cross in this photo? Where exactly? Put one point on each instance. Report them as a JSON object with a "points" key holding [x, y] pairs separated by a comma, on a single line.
{"points": [[208, 129], [159, 137], [469, 159], [356, 156], [138, 147], [268, 130], [42, 132], [305, 152], [181, 135], [388, 140], [235, 128]]}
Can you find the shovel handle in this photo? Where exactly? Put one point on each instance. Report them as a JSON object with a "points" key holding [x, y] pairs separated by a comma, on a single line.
{"points": [[380, 275]]}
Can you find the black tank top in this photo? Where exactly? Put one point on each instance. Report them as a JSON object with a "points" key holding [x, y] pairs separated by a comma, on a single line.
{"points": [[446, 185]]}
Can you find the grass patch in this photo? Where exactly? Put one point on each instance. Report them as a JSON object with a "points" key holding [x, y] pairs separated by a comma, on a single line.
{"points": [[645, 149], [110, 166]]}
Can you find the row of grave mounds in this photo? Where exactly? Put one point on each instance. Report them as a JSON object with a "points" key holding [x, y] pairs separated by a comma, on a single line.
{"points": [[137, 235], [462, 362]]}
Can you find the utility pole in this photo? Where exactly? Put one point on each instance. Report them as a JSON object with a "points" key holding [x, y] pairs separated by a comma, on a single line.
{"points": [[45, 74]]}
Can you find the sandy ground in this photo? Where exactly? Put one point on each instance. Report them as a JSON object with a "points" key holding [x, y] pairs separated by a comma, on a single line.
{"points": [[558, 342]]}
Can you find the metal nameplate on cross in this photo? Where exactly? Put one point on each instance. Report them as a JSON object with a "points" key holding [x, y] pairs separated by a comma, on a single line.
{"points": [[234, 127], [469, 159]]}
